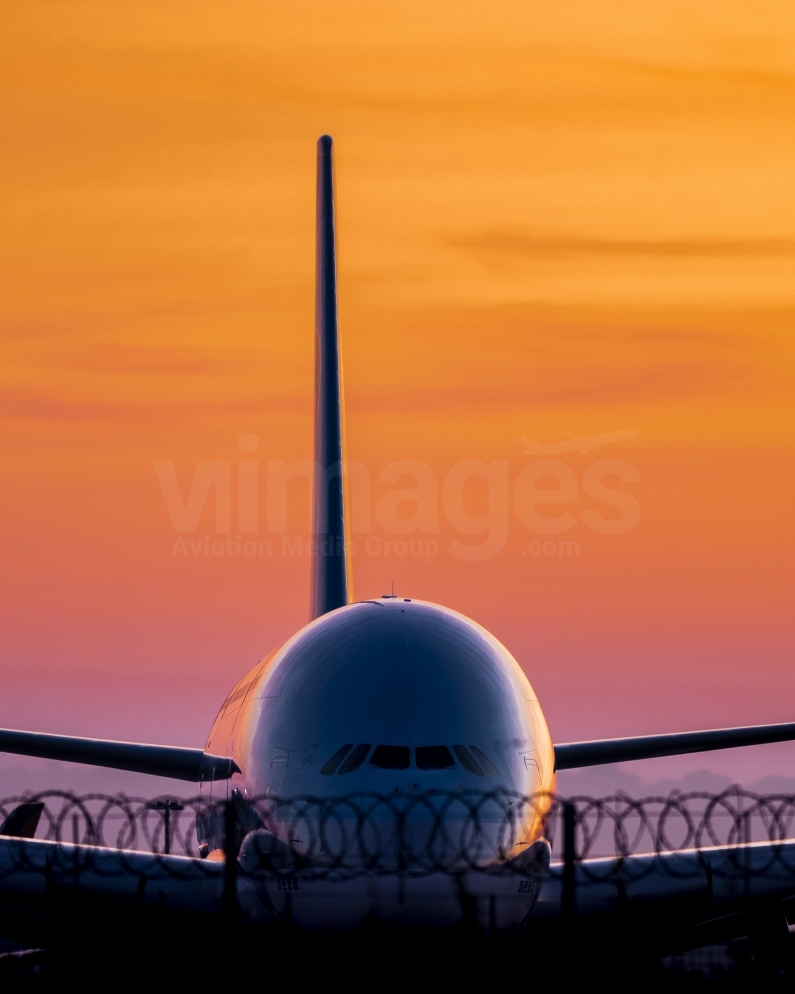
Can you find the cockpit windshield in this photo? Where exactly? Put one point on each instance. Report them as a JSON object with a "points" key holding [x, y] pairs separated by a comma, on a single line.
{"points": [[398, 757], [356, 758], [329, 768], [433, 758], [467, 760], [391, 757]]}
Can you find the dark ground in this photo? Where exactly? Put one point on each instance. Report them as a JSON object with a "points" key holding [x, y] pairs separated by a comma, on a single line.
{"points": [[210, 954]]}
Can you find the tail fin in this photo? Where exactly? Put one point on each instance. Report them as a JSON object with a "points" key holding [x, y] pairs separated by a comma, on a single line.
{"points": [[329, 565]]}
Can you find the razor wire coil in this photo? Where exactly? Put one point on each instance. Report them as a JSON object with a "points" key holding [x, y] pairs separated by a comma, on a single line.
{"points": [[407, 834]]}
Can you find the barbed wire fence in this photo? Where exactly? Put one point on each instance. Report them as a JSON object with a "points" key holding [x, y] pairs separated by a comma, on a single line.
{"points": [[229, 847], [414, 834]]}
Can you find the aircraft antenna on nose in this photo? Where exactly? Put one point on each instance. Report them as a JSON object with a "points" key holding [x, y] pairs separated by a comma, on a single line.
{"points": [[330, 580]]}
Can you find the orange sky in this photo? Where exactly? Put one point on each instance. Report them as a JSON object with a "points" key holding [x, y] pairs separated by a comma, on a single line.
{"points": [[557, 217]]}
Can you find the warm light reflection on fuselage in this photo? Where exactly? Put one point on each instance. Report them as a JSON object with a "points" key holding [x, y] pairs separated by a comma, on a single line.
{"points": [[390, 697]]}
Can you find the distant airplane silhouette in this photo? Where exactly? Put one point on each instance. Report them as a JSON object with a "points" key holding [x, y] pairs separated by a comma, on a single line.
{"points": [[577, 443]]}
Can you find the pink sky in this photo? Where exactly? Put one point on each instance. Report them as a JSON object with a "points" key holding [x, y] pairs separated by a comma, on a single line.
{"points": [[550, 222]]}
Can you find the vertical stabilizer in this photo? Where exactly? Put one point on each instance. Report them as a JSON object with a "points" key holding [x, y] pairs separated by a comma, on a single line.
{"points": [[329, 565]]}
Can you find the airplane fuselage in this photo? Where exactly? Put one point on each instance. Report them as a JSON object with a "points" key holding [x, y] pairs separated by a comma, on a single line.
{"points": [[384, 696]]}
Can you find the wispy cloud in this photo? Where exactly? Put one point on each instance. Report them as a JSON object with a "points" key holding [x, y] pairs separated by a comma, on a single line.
{"points": [[531, 245]]}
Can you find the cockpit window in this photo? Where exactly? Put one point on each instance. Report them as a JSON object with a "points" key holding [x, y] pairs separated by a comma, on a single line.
{"points": [[485, 762], [356, 758], [433, 758], [467, 760], [391, 757], [330, 767]]}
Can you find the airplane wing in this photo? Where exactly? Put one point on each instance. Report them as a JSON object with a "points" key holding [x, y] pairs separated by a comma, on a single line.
{"points": [[572, 755], [677, 900], [725, 874], [54, 894], [193, 765], [685, 894]]}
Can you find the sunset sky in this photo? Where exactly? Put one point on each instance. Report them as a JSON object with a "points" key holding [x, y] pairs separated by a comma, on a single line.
{"points": [[554, 218]]}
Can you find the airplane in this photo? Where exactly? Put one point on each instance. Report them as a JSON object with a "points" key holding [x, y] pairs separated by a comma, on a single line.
{"points": [[577, 444], [387, 697]]}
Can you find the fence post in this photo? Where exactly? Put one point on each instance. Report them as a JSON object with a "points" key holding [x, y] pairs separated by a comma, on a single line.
{"points": [[569, 896], [166, 807], [167, 828], [230, 859]]}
